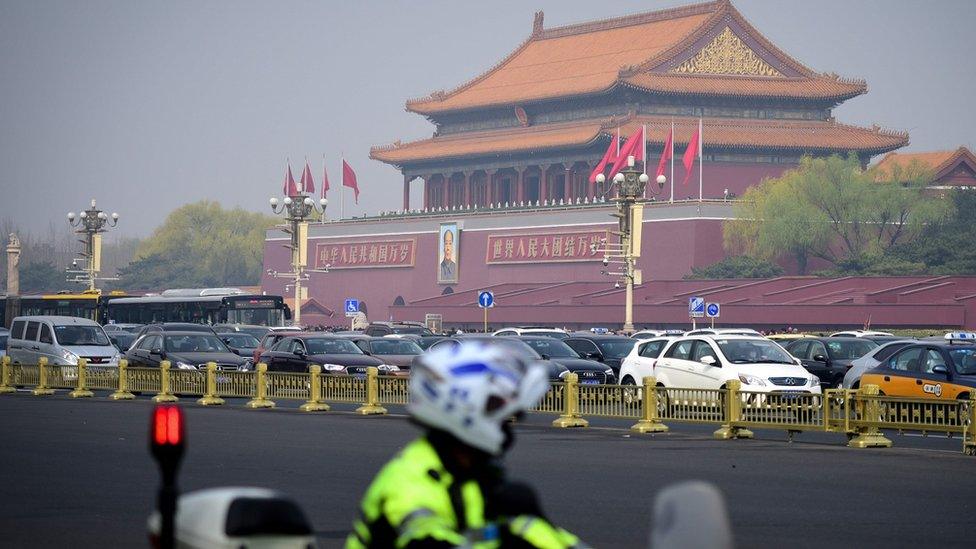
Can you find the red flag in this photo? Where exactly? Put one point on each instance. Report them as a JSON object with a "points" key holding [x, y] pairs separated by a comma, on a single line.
{"points": [[289, 188], [666, 153], [308, 184], [633, 147], [325, 178], [607, 156], [691, 153], [349, 179]]}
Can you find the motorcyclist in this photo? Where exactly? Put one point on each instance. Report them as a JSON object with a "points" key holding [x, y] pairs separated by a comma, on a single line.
{"points": [[446, 488]]}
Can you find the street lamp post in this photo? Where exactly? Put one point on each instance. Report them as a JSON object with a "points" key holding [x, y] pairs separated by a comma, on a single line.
{"points": [[298, 208], [630, 184], [91, 224]]}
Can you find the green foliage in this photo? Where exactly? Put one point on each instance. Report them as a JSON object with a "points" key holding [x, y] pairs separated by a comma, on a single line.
{"points": [[738, 267], [41, 277], [946, 248], [833, 209], [200, 245]]}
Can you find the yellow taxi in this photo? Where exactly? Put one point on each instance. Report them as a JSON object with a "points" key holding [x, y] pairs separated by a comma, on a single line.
{"points": [[941, 370]]}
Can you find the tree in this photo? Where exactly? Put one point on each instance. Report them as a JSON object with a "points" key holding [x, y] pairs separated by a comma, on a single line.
{"points": [[41, 277], [833, 209], [946, 248], [200, 244], [738, 267]]}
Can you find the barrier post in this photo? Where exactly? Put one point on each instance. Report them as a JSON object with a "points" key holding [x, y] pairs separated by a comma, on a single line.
{"points": [[570, 416], [866, 433], [372, 406], [261, 400], [210, 398], [315, 403], [969, 438], [6, 386], [649, 422], [733, 413], [122, 392], [81, 391], [165, 394], [42, 389]]}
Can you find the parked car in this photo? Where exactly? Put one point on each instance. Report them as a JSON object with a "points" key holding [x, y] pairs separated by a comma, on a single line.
{"points": [[648, 334], [547, 331], [4, 335], [158, 327], [111, 328], [272, 337], [608, 349], [723, 331], [829, 358], [336, 355], [639, 363], [784, 339], [710, 362], [400, 352], [60, 339], [869, 361], [184, 350], [943, 370], [241, 343], [555, 350], [519, 348], [254, 330], [424, 342], [380, 329], [860, 333], [121, 340]]}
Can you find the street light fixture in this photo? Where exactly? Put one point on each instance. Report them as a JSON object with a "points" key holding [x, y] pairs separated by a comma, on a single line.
{"points": [[631, 185], [298, 209], [91, 224]]}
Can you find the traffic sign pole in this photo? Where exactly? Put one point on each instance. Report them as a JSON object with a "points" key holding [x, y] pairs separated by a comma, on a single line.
{"points": [[485, 309]]}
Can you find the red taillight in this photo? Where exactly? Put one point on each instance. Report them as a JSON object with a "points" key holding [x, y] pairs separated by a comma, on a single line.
{"points": [[167, 426]]}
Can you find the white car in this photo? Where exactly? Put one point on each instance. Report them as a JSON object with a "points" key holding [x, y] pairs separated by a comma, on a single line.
{"points": [[870, 360], [648, 334], [710, 361], [724, 331], [639, 363], [533, 331], [860, 333]]}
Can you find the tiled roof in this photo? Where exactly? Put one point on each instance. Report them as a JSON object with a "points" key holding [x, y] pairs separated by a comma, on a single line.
{"points": [[935, 160], [594, 57], [727, 133]]}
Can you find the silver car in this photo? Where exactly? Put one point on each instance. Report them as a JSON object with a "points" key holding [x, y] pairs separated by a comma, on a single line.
{"points": [[61, 339], [870, 360]]}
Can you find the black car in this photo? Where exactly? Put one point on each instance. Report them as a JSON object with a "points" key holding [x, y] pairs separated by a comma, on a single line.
{"points": [[121, 340], [257, 331], [380, 329], [608, 349], [391, 350], [556, 350], [829, 358], [239, 342], [174, 327], [184, 350], [336, 355]]}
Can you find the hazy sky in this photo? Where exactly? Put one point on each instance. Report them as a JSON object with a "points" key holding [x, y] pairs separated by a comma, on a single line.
{"points": [[149, 105]]}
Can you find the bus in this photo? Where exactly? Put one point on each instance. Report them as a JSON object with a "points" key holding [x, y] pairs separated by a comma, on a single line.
{"points": [[201, 306], [91, 305]]}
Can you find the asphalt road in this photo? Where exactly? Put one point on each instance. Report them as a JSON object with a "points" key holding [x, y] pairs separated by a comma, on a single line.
{"points": [[78, 473]]}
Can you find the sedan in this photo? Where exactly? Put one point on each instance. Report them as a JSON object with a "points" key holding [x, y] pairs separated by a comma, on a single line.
{"points": [[184, 350], [608, 349], [554, 350], [829, 358], [877, 355], [335, 355], [241, 343]]}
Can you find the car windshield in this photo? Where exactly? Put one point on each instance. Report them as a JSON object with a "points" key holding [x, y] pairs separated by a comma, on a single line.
{"points": [[395, 347], [615, 348], [964, 359], [81, 335], [194, 343], [425, 342], [753, 351], [241, 341], [552, 347], [415, 330], [332, 347], [123, 340], [849, 350]]}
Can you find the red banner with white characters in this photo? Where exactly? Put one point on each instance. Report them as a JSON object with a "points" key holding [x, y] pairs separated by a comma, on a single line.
{"points": [[365, 255], [545, 247]]}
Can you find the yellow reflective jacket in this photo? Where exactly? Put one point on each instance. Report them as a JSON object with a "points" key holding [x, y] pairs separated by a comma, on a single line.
{"points": [[415, 502]]}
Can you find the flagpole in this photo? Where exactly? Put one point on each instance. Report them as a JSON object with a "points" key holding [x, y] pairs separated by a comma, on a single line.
{"points": [[672, 160], [701, 158], [342, 186], [644, 137], [323, 187]]}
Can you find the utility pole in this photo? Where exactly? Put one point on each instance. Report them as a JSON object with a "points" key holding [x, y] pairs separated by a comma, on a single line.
{"points": [[298, 208], [91, 224]]}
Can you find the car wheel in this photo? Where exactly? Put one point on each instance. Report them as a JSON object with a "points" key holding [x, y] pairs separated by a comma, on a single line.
{"points": [[630, 392], [663, 403]]}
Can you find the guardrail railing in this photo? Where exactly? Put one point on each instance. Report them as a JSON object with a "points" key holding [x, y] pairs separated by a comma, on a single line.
{"points": [[861, 415]]}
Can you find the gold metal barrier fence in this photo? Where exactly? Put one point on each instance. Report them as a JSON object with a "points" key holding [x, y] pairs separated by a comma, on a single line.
{"points": [[144, 380], [26, 375], [344, 388], [288, 385], [236, 384], [102, 377], [691, 405], [554, 400], [394, 390], [609, 401]]}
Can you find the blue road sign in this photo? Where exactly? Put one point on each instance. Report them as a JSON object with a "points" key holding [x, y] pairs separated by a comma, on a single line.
{"points": [[712, 310], [696, 306], [486, 299], [352, 307]]}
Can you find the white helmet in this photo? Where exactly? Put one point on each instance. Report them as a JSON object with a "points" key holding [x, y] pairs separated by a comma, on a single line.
{"points": [[470, 390]]}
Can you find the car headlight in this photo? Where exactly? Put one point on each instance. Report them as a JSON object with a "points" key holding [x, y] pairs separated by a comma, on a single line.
{"points": [[814, 381], [246, 366], [563, 374], [388, 368], [69, 357], [751, 380], [333, 368], [185, 366], [608, 371], [115, 359]]}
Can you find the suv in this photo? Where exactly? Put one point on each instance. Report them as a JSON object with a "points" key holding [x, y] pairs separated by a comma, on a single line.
{"points": [[608, 349], [640, 362], [709, 362], [61, 339], [829, 358], [380, 329], [533, 331]]}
